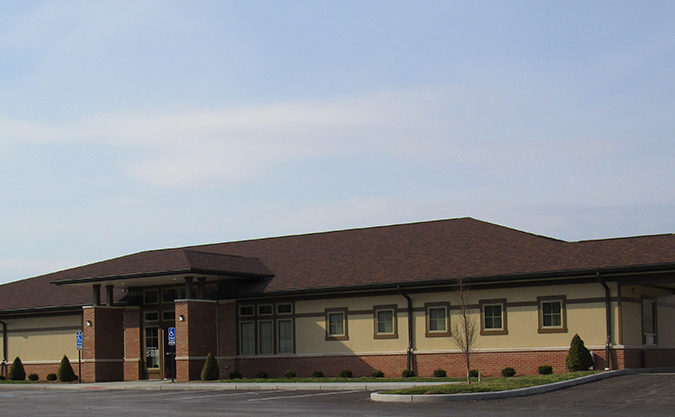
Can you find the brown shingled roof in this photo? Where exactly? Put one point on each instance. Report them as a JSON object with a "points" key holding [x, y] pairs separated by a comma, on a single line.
{"points": [[415, 252]]}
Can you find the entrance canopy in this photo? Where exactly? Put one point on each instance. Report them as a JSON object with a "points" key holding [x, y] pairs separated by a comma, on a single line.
{"points": [[165, 267]]}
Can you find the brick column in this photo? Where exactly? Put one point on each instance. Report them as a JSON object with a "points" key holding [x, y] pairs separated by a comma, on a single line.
{"points": [[195, 336], [133, 345], [228, 338], [103, 349]]}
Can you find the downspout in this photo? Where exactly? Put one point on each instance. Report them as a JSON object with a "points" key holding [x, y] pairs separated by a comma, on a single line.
{"points": [[3, 367], [608, 321], [409, 352]]}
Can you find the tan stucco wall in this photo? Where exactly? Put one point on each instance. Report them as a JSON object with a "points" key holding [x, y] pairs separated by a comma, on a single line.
{"points": [[587, 319], [42, 339], [666, 320]]}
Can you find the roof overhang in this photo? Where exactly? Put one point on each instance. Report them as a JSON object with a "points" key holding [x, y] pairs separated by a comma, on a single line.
{"points": [[147, 279]]}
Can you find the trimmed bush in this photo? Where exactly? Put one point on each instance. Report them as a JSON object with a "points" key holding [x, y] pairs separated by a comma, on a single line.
{"points": [[262, 375], [508, 372], [317, 374], [16, 371], [210, 371], [346, 373], [33, 377], [65, 372], [578, 357], [51, 377], [377, 374], [408, 373], [289, 374], [440, 373], [473, 373], [545, 370], [236, 375]]}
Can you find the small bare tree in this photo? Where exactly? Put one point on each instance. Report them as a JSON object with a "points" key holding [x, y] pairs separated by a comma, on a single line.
{"points": [[464, 328]]}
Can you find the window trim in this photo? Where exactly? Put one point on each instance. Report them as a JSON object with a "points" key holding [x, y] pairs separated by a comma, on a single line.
{"points": [[655, 312], [427, 317], [173, 315], [394, 333], [259, 314], [148, 290], [493, 302], [150, 312], [563, 314], [241, 339], [246, 315], [276, 309], [259, 337], [345, 335], [278, 333]]}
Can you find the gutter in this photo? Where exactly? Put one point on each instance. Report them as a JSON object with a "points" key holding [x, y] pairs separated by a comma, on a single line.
{"points": [[3, 366], [411, 336], [608, 321]]}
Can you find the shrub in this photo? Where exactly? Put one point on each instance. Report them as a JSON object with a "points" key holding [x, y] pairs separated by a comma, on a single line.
{"points": [[65, 372], [2, 378], [317, 374], [345, 373], [377, 374], [16, 371], [440, 373], [33, 377], [262, 375], [210, 371], [408, 373], [578, 357], [545, 370], [51, 377], [474, 373], [289, 374], [236, 375], [508, 372]]}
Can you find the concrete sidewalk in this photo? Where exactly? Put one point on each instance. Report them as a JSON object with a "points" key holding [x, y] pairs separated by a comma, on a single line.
{"points": [[223, 386]]}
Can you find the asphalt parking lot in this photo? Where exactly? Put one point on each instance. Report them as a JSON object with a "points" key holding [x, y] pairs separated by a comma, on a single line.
{"points": [[630, 395]]}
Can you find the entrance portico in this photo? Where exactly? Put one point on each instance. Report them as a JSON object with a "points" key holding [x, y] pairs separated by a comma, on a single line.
{"points": [[126, 337]]}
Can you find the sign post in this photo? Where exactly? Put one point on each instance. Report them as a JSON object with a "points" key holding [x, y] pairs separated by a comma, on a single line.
{"points": [[78, 343], [171, 336]]}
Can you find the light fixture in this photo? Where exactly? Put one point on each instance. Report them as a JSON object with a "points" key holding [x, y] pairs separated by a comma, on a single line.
{"points": [[88, 323], [181, 317]]}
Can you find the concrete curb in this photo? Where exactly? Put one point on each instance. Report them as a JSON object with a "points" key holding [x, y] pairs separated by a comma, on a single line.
{"points": [[521, 392]]}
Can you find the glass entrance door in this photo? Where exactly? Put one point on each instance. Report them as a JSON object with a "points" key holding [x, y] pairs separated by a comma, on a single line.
{"points": [[152, 353]]}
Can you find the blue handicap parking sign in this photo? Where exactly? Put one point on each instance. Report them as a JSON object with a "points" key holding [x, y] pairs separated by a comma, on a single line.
{"points": [[171, 334], [78, 339]]}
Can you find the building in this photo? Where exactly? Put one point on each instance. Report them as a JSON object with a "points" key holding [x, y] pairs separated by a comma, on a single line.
{"points": [[380, 298]]}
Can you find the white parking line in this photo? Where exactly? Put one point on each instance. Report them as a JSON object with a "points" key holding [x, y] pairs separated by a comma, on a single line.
{"points": [[304, 395], [220, 394]]}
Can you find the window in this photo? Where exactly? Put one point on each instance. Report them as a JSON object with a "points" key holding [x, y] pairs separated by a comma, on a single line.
{"points": [[649, 321], [493, 317], [245, 311], [168, 315], [168, 295], [552, 315], [150, 296], [266, 337], [150, 316], [265, 310], [336, 324], [285, 308], [285, 335], [438, 319], [386, 326], [151, 347], [247, 339]]}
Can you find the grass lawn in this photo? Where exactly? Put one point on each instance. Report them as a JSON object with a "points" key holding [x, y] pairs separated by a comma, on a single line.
{"points": [[324, 380], [491, 384]]}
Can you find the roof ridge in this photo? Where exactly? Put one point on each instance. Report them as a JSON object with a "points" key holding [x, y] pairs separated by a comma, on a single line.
{"points": [[623, 238]]}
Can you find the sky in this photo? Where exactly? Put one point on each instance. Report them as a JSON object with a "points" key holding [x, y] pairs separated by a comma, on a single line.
{"points": [[135, 125]]}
